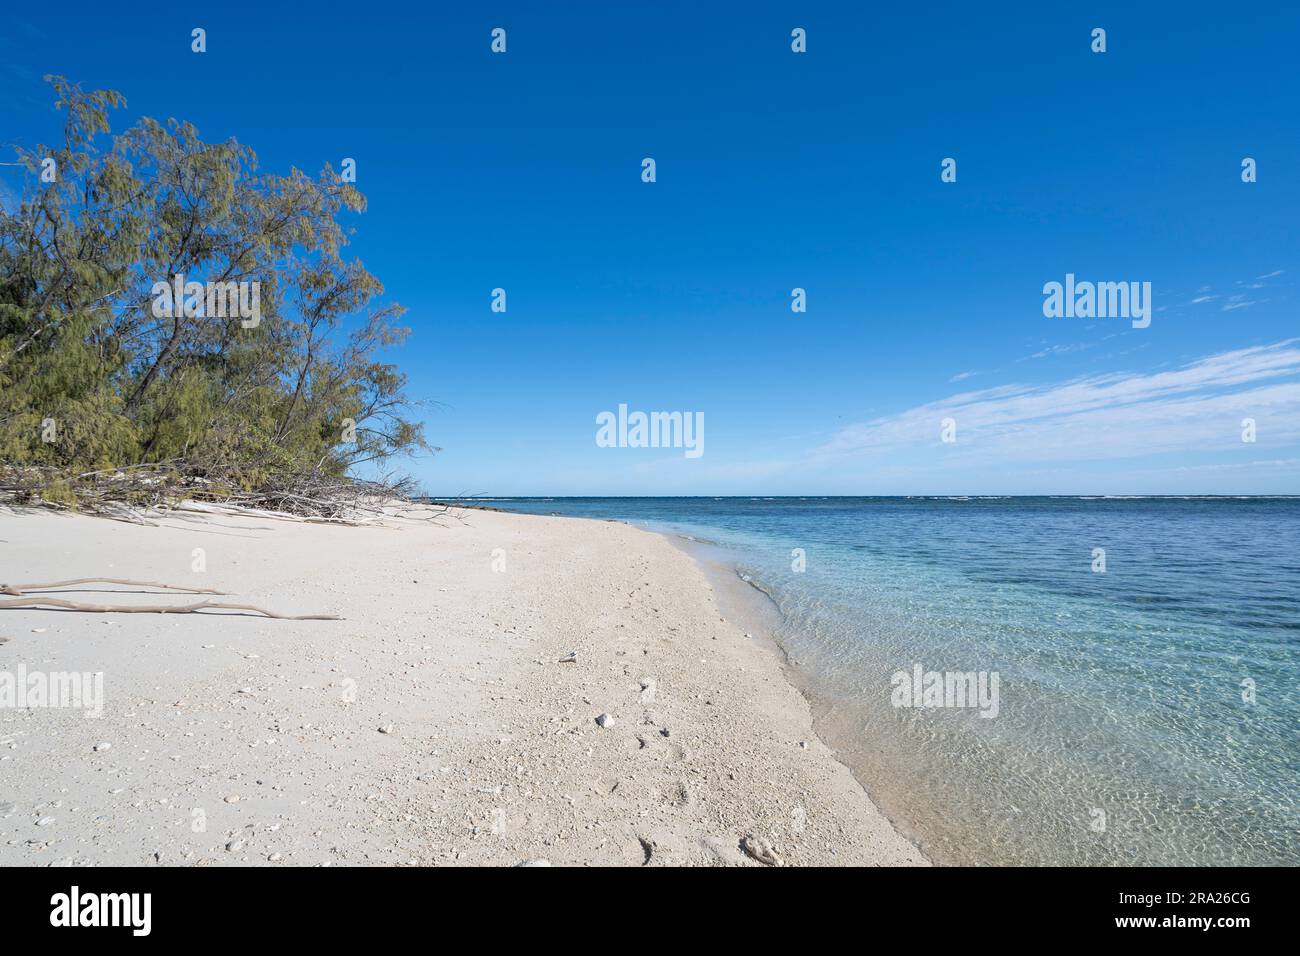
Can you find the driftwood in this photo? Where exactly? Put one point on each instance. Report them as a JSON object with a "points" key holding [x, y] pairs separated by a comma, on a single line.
{"points": [[133, 492], [246, 511], [36, 601], [20, 589]]}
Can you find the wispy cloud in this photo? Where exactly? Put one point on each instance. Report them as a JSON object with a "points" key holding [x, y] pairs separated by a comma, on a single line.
{"points": [[1204, 293], [1063, 349], [1195, 408]]}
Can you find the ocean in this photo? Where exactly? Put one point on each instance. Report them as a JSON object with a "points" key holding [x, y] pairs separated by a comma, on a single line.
{"points": [[1137, 660]]}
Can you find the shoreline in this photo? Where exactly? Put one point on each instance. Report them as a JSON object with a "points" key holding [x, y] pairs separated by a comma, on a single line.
{"points": [[757, 610], [437, 723]]}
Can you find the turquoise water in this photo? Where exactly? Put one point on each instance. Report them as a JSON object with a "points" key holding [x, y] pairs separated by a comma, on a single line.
{"points": [[1123, 732]]}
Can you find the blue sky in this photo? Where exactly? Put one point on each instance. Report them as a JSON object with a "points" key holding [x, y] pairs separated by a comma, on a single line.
{"points": [[778, 170]]}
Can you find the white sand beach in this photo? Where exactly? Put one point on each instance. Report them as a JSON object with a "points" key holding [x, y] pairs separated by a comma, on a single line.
{"points": [[434, 724]]}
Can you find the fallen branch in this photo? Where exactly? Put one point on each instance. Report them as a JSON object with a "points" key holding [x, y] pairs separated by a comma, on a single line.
{"points": [[36, 601], [20, 589], [245, 511], [131, 492]]}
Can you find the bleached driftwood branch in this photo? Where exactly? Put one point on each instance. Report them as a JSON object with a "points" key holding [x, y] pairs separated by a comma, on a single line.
{"points": [[36, 601], [20, 589], [25, 600]]}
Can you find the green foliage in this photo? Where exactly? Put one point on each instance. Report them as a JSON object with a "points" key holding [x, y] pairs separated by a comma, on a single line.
{"points": [[81, 344]]}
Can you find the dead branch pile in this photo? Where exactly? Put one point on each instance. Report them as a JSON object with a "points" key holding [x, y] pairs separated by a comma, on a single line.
{"points": [[131, 492]]}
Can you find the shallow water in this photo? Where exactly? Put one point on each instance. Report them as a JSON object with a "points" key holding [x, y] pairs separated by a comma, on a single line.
{"points": [[1124, 729]]}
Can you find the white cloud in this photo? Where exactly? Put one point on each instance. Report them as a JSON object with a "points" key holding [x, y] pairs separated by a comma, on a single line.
{"points": [[1197, 407], [1064, 349]]}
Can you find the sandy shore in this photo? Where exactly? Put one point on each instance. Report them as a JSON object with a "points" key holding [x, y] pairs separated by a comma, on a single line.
{"points": [[435, 724]]}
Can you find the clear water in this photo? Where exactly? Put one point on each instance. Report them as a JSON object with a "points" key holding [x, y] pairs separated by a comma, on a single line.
{"points": [[1122, 736]]}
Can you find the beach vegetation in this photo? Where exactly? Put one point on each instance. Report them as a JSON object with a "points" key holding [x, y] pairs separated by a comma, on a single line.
{"points": [[102, 368]]}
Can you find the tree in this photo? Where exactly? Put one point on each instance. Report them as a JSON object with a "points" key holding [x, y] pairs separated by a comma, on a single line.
{"points": [[100, 369]]}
